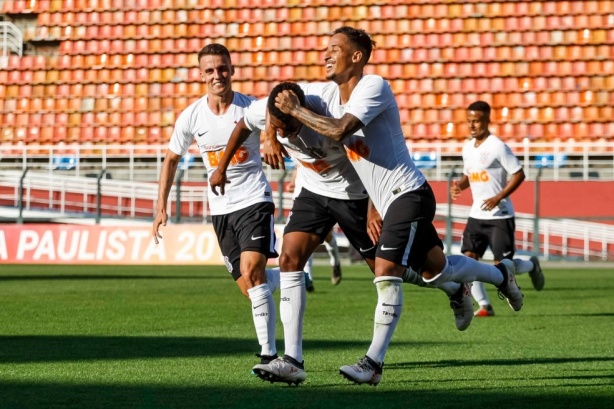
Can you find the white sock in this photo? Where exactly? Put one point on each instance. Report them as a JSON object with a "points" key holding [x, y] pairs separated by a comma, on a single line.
{"points": [[523, 266], [309, 267], [272, 278], [479, 293], [291, 310], [333, 251], [387, 314], [411, 277], [263, 312], [463, 269]]}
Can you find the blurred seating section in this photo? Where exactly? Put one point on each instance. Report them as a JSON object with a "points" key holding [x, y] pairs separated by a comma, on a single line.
{"points": [[120, 71]]}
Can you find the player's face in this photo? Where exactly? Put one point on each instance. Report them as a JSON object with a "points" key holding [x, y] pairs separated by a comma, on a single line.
{"points": [[286, 129], [216, 71], [478, 124], [340, 59]]}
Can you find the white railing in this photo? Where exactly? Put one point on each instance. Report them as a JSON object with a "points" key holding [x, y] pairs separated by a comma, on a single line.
{"points": [[76, 194], [11, 42], [580, 160], [578, 239]]}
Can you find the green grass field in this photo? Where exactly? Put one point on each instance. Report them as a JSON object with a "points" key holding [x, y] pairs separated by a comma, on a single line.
{"points": [[182, 337]]}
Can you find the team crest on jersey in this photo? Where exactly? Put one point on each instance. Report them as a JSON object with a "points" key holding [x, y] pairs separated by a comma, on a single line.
{"points": [[228, 264], [484, 157]]}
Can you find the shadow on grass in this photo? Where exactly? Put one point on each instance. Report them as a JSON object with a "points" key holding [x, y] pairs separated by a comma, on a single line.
{"points": [[41, 277], [251, 394], [48, 348], [454, 363]]}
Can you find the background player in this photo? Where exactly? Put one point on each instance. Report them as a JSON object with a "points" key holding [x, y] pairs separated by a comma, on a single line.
{"points": [[487, 162]]}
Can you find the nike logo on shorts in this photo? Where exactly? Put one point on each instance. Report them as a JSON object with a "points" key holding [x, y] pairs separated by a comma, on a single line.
{"points": [[365, 250], [384, 248], [256, 238], [507, 253]]}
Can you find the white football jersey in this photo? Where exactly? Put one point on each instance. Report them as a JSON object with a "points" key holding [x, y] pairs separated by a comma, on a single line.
{"points": [[487, 168], [247, 184], [323, 168], [377, 151]]}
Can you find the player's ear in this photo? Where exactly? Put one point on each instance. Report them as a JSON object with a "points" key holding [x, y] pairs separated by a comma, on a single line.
{"points": [[357, 56], [232, 70]]}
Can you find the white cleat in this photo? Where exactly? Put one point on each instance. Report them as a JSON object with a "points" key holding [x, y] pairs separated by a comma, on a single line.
{"points": [[284, 369], [509, 288], [462, 306], [365, 370]]}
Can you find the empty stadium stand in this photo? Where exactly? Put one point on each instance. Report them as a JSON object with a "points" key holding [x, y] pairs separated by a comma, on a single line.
{"points": [[95, 72]]}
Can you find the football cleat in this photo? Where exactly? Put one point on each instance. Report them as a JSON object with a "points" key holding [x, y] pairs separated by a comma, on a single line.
{"points": [[484, 311], [509, 288], [335, 277], [462, 306], [366, 370], [285, 369], [537, 276], [265, 359], [309, 284]]}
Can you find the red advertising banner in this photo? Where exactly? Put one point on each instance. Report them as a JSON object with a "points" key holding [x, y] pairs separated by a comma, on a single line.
{"points": [[125, 244]]}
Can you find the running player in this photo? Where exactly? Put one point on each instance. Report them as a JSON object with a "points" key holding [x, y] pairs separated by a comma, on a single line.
{"points": [[487, 162], [243, 218], [360, 111]]}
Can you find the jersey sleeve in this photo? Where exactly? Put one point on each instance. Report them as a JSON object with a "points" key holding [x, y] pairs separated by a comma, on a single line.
{"points": [[255, 116], [369, 99], [182, 137], [508, 160]]}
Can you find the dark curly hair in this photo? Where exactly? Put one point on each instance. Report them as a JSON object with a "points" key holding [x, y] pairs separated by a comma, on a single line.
{"points": [[291, 86]]}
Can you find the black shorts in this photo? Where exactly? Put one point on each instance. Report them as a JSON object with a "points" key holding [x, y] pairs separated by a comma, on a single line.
{"points": [[249, 229], [317, 214], [408, 233], [498, 234]]}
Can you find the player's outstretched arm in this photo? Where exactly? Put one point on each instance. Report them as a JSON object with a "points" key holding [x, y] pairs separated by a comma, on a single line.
{"points": [[237, 138], [273, 151], [167, 175]]}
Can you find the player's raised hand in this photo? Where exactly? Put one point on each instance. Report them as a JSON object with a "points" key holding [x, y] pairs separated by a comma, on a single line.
{"points": [[286, 101], [218, 179]]}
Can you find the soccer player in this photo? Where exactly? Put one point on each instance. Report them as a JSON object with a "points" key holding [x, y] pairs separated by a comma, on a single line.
{"points": [[243, 218], [487, 162], [360, 111], [331, 192]]}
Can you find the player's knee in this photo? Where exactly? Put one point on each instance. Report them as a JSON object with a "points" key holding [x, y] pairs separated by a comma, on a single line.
{"points": [[290, 262]]}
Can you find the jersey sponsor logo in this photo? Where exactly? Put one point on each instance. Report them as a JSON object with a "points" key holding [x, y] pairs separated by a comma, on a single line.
{"points": [[357, 150], [318, 166], [478, 177], [241, 156], [384, 248], [201, 134], [257, 238]]}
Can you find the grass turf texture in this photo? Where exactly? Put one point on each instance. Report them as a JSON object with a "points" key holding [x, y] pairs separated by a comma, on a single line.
{"points": [[182, 337]]}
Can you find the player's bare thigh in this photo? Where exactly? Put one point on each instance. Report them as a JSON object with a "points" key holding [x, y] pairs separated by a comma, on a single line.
{"points": [[296, 249]]}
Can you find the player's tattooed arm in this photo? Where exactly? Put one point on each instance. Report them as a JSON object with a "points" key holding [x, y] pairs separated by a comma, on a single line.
{"points": [[336, 129]]}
